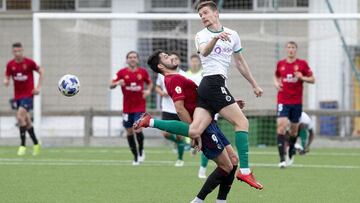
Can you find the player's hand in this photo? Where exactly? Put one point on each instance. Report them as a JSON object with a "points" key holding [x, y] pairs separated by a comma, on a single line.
{"points": [[241, 103], [258, 91], [36, 91], [146, 93], [164, 94], [299, 75], [224, 36], [279, 86], [6, 82], [121, 82], [196, 144]]}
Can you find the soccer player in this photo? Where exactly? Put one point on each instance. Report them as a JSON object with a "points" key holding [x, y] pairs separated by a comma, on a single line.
{"points": [[169, 113], [216, 45], [20, 69], [183, 93], [132, 79], [305, 131], [289, 77]]}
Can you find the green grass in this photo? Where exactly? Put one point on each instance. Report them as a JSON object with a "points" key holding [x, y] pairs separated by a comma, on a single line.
{"points": [[105, 175]]}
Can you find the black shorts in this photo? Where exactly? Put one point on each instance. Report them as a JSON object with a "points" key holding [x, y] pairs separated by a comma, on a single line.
{"points": [[169, 116], [291, 111], [26, 103], [213, 95]]}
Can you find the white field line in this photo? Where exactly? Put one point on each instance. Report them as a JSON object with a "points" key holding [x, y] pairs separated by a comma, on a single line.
{"points": [[106, 151], [82, 162]]}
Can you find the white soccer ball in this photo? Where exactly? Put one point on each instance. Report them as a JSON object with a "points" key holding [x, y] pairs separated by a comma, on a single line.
{"points": [[69, 85]]}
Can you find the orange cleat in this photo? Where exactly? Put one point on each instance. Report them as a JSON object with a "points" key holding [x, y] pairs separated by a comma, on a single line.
{"points": [[249, 179], [143, 121]]}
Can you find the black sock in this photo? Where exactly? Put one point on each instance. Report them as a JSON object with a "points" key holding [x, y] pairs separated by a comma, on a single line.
{"points": [[140, 140], [22, 135], [132, 146], [225, 186], [32, 135], [214, 179], [281, 146], [292, 141]]}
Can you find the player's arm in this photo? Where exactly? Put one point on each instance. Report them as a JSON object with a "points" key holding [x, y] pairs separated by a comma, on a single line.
{"points": [[183, 114], [244, 69], [40, 71], [308, 79], [117, 81], [148, 89], [206, 48], [6, 80], [277, 82]]}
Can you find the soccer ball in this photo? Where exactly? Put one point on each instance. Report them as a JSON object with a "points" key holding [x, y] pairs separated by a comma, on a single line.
{"points": [[69, 85]]}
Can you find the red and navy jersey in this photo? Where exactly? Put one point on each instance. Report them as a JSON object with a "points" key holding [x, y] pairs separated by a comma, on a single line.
{"points": [[181, 88], [133, 100], [23, 77], [292, 90]]}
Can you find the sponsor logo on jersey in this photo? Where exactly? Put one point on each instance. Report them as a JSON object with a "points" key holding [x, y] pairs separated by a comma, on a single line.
{"points": [[133, 87], [290, 78], [178, 89], [219, 49], [20, 77]]}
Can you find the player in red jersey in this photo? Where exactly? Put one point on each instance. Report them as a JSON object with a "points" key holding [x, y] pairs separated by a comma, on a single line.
{"points": [[20, 69], [215, 145], [290, 75], [132, 79]]}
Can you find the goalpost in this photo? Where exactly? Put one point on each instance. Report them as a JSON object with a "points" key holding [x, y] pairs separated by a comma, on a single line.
{"points": [[262, 35]]}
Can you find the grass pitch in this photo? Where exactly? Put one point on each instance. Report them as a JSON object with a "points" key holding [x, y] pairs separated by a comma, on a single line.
{"points": [[106, 175]]}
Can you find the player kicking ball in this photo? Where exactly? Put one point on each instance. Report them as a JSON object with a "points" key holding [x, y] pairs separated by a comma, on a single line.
{"points": [[214, 144], [21, 69]]}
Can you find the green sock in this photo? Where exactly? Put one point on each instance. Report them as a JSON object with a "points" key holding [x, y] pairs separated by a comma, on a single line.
{"points": [[172, 126], [303, 136], [242, 146], [181, 147], [171, 137], [203, 161]]}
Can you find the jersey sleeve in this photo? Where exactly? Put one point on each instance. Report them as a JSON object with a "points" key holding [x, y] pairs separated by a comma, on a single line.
{"points": [[34, 66], [117, 76], [200, 39], [176, 89], [277, 72], [146, 77], [237, 43], [8, 70], [306, 70]]}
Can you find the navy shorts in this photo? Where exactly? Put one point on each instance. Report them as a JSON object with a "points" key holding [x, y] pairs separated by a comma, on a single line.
{"points": [[26, 103], [130, 118], [291, 111], [213, 141]]}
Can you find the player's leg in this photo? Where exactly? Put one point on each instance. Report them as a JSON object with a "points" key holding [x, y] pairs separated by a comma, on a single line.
{"points": [[311, 138], [29, 126], [303, 134], [180, 143], [21, 118], [294, 117], [127, 123], [203, 165], [139, 138], [201, 120], [225, 186], [282, 122]]}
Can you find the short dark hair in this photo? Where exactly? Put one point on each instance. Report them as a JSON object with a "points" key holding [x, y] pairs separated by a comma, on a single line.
{"points": [[175, 53], [132, 52], [293, 43], [195, 56], [212, 5], [154, 60], [17, 45]]}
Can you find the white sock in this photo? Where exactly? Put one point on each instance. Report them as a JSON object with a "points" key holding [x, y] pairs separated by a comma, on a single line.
{"points": [[245, 171], [197, 200], [151, 122], [220, 201], [202, 169]]}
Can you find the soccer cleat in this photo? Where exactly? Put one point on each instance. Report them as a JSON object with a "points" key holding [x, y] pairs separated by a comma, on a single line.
{"points": [[143, 121], [282, 164], [142, 157], [197, 200], [135, 163], [179, 163], [249, 179], [289, 161], [21, 151], [202, 173], [36, 150]]}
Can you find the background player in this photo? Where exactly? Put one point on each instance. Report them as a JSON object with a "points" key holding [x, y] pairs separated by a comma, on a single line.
{"points": [[20, 69], [305, 133], [132, 79], [168, 112], [290, 75], [183, 93]]}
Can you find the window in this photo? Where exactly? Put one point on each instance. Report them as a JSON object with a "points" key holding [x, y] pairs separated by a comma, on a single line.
{"points": [[281, 4], [57, 4], [17, 4], [94, 5]]}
